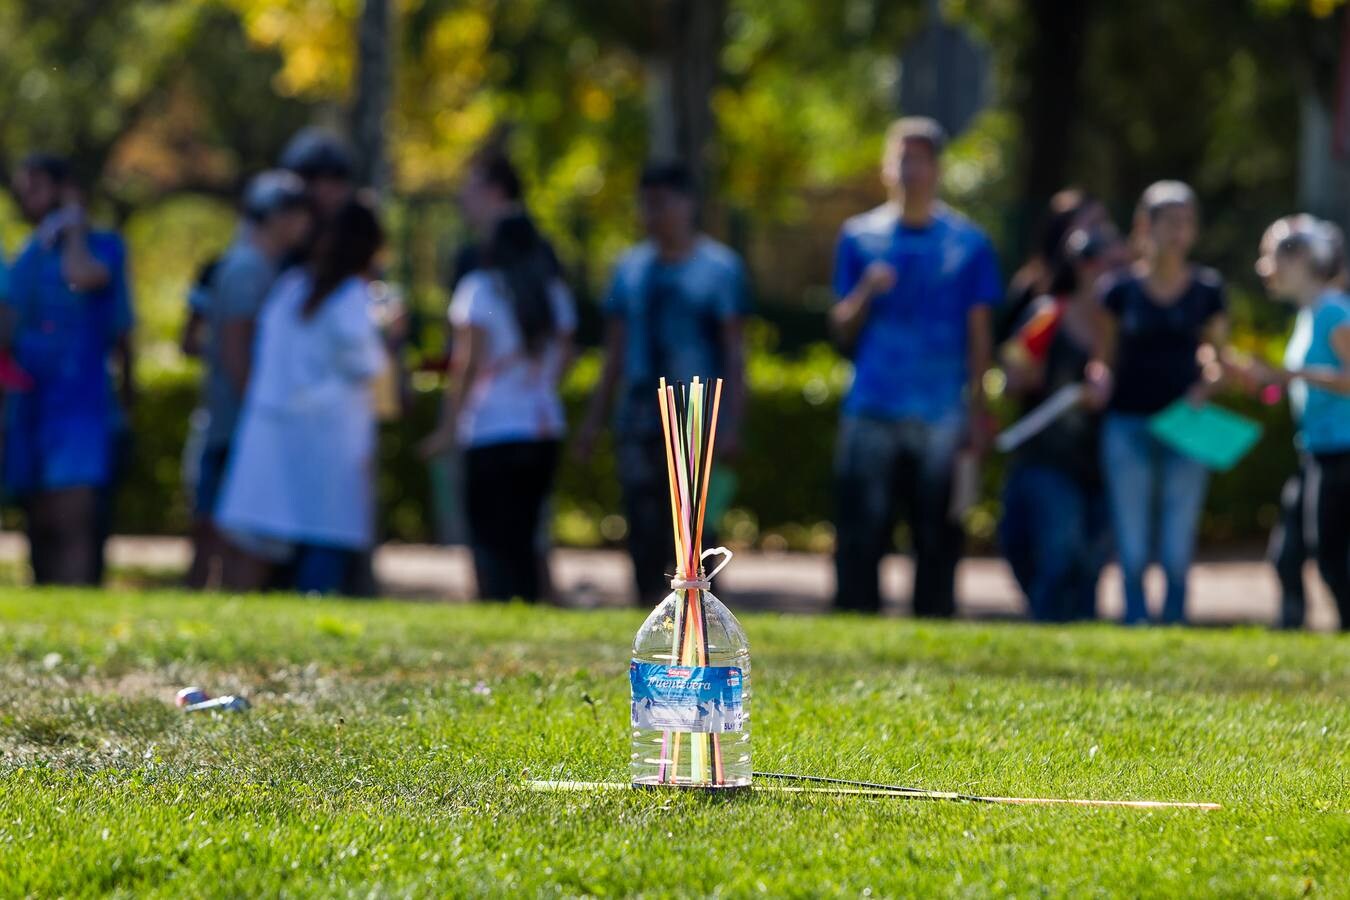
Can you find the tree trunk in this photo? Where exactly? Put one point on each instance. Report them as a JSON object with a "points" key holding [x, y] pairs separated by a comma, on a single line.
{"points": [[373, 94], [1051, 64], [682, 71]]}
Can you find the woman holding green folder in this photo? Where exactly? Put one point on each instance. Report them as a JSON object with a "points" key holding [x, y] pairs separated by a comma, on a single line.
{"points": [[1303, 262], [1160, 329]]}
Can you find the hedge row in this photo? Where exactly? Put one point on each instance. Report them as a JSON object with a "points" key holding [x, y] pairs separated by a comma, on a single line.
{"points": [[784, 498]]}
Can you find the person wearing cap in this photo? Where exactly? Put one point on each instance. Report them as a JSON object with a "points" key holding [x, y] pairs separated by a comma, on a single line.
{"points": [[67, 316], [916, 284], [675, 309], [275, 221], [324, 162], [1162, 332], [1054, 532], [1303, 262]]}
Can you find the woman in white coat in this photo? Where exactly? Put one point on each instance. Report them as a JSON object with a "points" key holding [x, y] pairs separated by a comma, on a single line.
{"points": [[299, 486]]}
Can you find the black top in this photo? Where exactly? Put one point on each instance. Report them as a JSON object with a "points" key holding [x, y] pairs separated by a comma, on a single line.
{"points": [[1155, 355], [1069, 444]]}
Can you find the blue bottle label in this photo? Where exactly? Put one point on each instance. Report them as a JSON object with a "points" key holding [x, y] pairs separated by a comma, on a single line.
{"points": [[703, 699]]}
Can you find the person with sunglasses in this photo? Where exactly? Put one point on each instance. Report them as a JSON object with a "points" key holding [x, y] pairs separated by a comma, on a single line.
{"points": [[1054, 532]]}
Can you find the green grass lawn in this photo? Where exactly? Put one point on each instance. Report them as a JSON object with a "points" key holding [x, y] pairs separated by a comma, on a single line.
{"points": [[388, 742]]}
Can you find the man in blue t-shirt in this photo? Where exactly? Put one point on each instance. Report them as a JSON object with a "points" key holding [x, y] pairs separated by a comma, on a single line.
{"points": [[68, 314], [674, 310], [916, 284]]}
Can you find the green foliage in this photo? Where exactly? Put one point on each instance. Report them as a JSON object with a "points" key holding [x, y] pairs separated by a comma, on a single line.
{"points": [[169, 242], [785, 495], [147, 97], [160, 97], [387, 744]]}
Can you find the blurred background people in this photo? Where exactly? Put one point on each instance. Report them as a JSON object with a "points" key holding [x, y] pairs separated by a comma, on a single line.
{"points": [[1161, 335], [1306, 267], [299, 484], [324, 162], [1288, 550], [490, 192], [1069, 210], [275, 222], [1055, 531], [513, 322], [192, 336], [676, 309], [121, 361], [69, 318], [916, 284]]}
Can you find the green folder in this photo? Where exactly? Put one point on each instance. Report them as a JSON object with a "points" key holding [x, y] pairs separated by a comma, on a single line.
{"points": [[1208, 434], [721, 492]]}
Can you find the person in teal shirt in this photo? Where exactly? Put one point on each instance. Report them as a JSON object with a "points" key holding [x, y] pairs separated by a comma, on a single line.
{"points": [[1306, 266]]}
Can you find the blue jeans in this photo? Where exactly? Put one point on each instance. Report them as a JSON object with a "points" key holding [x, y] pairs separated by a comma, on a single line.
{"points": [[1156, 495], [881, 468], [320, 569], [1055, 537]]}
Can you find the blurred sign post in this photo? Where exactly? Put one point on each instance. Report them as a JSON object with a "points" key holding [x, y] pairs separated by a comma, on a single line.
{"points": [[944, 74]]}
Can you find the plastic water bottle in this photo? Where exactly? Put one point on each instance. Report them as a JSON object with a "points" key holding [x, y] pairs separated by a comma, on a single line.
{"points": [[691, 705]]}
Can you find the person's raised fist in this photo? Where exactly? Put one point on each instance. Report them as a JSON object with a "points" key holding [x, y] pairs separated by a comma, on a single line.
{"points": [[879, 277]]}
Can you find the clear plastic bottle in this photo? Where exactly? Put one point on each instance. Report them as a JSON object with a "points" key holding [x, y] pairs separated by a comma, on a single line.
{"points": [[700, 693]]}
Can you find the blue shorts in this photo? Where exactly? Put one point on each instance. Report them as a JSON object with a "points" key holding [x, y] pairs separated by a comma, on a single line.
{"points": [[48, 449]]}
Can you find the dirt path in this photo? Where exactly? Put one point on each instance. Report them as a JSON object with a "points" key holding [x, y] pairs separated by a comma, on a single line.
{"points": [[1222, 592]]}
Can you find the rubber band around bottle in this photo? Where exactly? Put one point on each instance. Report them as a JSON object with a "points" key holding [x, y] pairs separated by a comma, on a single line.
{"points": [[704, 583]]}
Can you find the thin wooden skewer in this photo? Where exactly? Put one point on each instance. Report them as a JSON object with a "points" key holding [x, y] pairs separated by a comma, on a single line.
{"points": [[916, 794]]}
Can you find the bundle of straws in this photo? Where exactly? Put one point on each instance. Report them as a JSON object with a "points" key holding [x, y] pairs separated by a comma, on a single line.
{"points": [[690, 430]]}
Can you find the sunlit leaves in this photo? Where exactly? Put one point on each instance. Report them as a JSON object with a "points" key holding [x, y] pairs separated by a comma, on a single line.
{"points": [[314, 37]]}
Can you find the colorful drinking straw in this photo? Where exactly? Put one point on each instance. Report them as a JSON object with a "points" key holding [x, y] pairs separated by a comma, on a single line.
{"points": [[690, 434]]}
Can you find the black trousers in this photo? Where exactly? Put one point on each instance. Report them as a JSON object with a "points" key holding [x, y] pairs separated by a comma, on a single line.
{"points": [[507, 485], [646, 501], [1289, 550], [1329, 474], [883, 468]]}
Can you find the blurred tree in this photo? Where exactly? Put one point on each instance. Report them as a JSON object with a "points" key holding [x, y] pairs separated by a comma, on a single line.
{"points": [[1115, 96], [1050, 61], [161, 96], [1201, 91], [683, 67], [147, 97], [78, 77], [374, 86]]}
